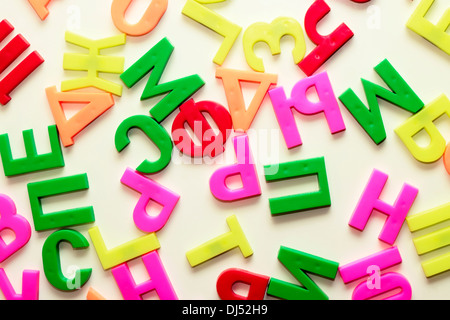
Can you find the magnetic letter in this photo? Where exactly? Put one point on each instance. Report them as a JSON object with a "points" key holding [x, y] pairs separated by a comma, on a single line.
{"points": [[52, 263], [327, 104], [148, 22], [9, 219], [221, 244], [326, 45], [93, 63], [231, 79], [299, 202], [155, 132], [63, 218], [370, 201], [245, 168], [423, 120], [298, 262], [370, 118], [40, 6], [159, 280], [257, 284], [177, 91], [30, 286], [32, 162], [150, 190]]}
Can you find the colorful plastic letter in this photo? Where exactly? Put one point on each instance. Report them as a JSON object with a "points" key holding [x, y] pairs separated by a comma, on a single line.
{"points": [[150, 190], [433, 240], [358, 269], [8, 54], [390, 281], [221, 244], [177, 91], [424, 121], [271, 34], [216, 23], [245, 168], [191, 114], [327, 104], [9, 219], [243, 116], [52, 262], [148, 22], [304, 201], [370, 201], [30, 286], [257, 284], [93, 63], [96, 105], [436, 34], [370, 118], [157, 134], [94, 295], [40, 6], [132, 249], [159, 280], [326, 45], [32, 162], [298, 262], [63, 218]]}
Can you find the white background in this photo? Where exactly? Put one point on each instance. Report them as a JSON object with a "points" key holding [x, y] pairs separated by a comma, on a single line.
{"points": [[350, 156]]}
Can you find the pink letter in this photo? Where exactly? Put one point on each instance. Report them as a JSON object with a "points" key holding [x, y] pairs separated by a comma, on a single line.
{"points": [[327, 104], [370, 201], [245, 167], [159, 280], [30, 286], [12, 221], [150, 190], [388, 281]]}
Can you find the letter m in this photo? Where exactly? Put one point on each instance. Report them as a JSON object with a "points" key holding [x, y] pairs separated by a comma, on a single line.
{"points": [[155, 61]]}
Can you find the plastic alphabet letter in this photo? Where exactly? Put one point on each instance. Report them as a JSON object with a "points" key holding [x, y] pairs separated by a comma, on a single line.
{"points": [[231, 79], [436, 34], [221, 244], [8, 54], [326, 45], [245, 168], [93, 63], [389, 281], [94, 295], [433, 240], [155, 61], [52, 263], [155, 132], [40, 6], [159, 280], [96, 105], [370, 201], [216, 23], [298, 262], [132, 249], [304, 201], [9, 219], [447, 158], [63, 218], [32, 162], [30, 286], [271, 34], [423, 120], [257, 284], [401, 95], [191, 114], [148, 22], [327, 104], [150, 190]]}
